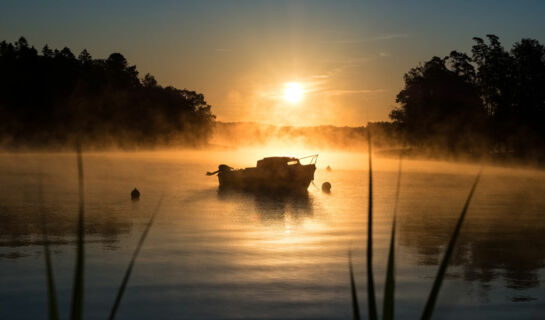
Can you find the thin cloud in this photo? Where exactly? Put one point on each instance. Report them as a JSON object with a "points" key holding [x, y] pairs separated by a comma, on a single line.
{"points": [[349, 62], [339, 92], [377, 38], [390, 37], [335, 67]]}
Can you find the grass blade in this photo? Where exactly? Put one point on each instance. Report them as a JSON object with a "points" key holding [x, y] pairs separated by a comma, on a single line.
{"points": [[389, 289], [370, 282], [355, 306], [430, 304], [133, 259], [76, 312], [51, 292]]}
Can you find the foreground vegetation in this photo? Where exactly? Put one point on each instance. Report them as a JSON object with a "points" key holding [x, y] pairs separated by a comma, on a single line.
{"points": [[389, 288]]}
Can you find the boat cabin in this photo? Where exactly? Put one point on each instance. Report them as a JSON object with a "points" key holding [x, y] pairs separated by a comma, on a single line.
{"points": [[277, 162]]}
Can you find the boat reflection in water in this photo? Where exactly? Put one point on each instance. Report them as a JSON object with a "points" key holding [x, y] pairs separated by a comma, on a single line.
{"points": [[273, 207]]}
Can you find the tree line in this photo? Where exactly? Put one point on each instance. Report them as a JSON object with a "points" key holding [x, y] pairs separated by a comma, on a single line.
{"points": [[490, 102], [56, 98], [385, 136]]}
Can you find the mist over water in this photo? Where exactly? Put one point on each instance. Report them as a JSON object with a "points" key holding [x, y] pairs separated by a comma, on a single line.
{"points": [[236, 255]]}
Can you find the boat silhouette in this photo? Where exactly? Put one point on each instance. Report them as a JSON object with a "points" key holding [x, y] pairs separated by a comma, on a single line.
{"points": [[277, 174]]}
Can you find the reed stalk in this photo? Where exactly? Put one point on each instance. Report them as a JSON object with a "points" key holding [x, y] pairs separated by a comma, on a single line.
{"points": [[76, 312], [434, 293], [128, 272], [355, 306], [389, 289], [370, 282], [53, 312]]}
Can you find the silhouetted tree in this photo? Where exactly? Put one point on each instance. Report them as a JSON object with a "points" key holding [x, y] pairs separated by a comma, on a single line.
{"points": [[512, 86], [440, 107], [67, 54], [85, 56], [461, 64], [149, 81], [453, 102], [529, 96], [47, 52], [54, 98], [495, 79]]}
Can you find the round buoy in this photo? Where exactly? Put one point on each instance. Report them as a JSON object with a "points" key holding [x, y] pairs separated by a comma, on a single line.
{"points": [[328, 168], [326, 187], [135, 194]]}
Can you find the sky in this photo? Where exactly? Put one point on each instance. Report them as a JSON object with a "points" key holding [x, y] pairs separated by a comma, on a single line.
{"points": [[348, 57]]}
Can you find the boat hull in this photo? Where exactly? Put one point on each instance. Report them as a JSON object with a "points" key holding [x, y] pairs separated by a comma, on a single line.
{"points": [[284, 179]]}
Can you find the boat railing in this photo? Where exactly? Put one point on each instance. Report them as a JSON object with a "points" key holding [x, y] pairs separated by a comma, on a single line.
{"points": [[313, 158]]}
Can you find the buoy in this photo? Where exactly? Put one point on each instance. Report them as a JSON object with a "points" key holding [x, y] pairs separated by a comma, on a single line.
{"points": [[328, 168], [135, 194], [326, 187]]}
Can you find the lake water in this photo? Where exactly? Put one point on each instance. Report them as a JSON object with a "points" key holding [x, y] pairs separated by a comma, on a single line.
{"points": [[242, 256]]}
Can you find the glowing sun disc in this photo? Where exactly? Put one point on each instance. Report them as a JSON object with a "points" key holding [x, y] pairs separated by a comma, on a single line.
{"points": [[293, 92]]}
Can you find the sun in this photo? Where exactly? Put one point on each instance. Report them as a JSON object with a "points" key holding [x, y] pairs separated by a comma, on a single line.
{"points": [[293, 92]]}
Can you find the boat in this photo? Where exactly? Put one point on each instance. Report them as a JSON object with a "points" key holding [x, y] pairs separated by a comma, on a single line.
{"points": [[277, 174]]}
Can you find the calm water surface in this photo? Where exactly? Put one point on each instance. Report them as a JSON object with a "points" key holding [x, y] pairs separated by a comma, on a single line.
{"points": [[213, 255]]}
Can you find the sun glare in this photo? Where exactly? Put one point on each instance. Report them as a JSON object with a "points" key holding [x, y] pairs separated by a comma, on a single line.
{"points": [[293, 92]]}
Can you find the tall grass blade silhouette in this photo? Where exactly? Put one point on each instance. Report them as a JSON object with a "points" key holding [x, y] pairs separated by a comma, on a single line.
{"points": [[430, 304], [76, 312], [355, 306], [370, 282], [389, 289], [133, 259], [51, 292]]}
